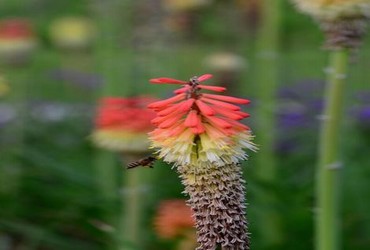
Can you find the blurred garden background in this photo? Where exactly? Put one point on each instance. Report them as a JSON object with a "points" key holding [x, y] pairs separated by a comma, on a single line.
{"points": [[59, 190]]}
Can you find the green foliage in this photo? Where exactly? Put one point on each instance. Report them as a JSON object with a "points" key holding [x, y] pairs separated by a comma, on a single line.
{"points": [[49, 192]]}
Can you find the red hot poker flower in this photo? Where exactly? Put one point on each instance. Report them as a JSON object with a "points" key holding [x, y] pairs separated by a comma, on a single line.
{"points": [[202, 135], [195, 127]]}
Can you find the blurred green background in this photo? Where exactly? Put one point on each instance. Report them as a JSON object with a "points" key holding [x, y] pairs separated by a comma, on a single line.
{"points": [[58, 191]]}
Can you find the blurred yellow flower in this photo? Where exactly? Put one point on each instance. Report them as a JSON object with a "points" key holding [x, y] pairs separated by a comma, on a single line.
{"points": [[4, 87], [181, 5], [72, 32], [225, 61], [335, 9]]}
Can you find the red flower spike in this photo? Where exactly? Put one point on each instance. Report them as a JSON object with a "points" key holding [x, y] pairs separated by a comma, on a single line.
{"points": [[221, 104], [167, 80], [212, 88], [227, 98], [191, 112], [204, 77]]}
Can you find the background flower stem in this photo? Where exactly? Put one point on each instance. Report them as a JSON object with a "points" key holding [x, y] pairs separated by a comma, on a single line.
{"points": [[266, 81], [12, 147], [327, 221], [133, 200], [114, 63]]}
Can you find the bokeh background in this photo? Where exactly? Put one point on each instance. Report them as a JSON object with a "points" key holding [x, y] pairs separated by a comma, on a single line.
{"points": [[58, 58]]}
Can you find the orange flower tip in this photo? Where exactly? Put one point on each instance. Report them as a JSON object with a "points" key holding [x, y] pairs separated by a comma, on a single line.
{"points": [[187, 105], [192, 119], [244, 127], [234, 115], [237, 125], [220, 104], [227, 98], [182, 90], [204, 108], [198, 129], [166, 80], [177, 130], [169, 110], [157, 120], [219, 122], [164, 103], [168, 123], [204, 77], [212, 88], [244, 115]]}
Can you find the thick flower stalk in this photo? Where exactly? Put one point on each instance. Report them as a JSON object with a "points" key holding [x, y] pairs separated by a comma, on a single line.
{"points": [[201, 135], [343, 21]]}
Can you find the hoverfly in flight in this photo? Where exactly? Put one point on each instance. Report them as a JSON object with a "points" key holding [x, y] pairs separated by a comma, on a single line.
{"points": [[144, 162]]}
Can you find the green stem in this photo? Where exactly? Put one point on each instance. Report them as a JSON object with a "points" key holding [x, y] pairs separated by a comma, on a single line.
{"points": [[327, 218], [132, 203], [114, 57], [189, 241], [266, 79]]}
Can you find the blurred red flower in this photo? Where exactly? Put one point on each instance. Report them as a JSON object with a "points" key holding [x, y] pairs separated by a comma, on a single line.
{"points": [[173, 219], [122, 124]]}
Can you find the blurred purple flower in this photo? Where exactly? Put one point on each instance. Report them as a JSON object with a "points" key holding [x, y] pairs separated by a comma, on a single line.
{"points": [[49, 112], [288, 119], [303, 90], [360, 112], [362, 116], [363, 96], [58, 111], [286, 146], [299, 105], [78, 78], [7, 113]]}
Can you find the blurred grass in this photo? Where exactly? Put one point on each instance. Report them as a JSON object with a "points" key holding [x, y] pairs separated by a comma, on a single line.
{"points": [[57, 204]]}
